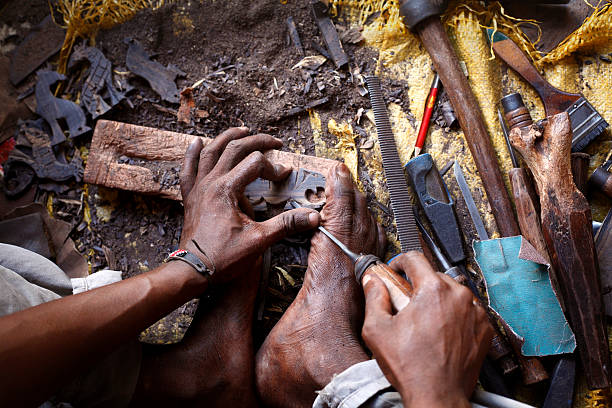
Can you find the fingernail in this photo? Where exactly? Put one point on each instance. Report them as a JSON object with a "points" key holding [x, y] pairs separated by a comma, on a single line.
{"points": [[365, 280], [244, 128], [313, 218]]}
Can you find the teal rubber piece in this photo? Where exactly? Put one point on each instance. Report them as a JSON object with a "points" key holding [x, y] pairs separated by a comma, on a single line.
{"points": [[521, 292]]}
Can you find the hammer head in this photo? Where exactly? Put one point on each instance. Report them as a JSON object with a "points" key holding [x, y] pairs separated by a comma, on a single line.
{"points": [[415, 11]]}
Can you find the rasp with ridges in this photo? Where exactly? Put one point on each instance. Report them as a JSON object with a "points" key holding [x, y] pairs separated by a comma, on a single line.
{"points": [[401, 202]]}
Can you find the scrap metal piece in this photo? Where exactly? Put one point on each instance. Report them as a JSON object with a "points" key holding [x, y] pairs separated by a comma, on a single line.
{"points": [[469, 202], [43, 162], [42, 42], [52, 108], [401, 201], [160, 78], [330, 35], [295, 36], [302, 186], [99, 78]]}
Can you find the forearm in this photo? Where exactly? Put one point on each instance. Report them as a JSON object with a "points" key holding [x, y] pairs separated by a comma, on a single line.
{"points": [[76, 331]]}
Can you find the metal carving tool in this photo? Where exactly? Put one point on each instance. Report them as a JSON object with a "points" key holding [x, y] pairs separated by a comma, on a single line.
{"points": [[401, 201], [469, 202], [506, 132], [586, 122], [433, 197]]}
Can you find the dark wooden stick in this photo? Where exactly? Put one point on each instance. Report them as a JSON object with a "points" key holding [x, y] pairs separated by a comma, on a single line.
{"points": [[580, 170], [566, 224], [434, 38]]}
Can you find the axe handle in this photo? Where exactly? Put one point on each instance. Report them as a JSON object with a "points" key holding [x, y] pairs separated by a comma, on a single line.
{"points": [[468, 112]]}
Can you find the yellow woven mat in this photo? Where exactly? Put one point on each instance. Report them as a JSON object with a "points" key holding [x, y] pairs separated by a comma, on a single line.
{"points": [[401, 57]]}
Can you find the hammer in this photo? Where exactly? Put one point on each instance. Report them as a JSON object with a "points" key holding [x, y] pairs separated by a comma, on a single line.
{"points": [[423, 17]]}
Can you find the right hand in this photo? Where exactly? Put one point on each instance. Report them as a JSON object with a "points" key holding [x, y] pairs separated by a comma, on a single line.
{"points": [[219, 225], [431, 351]]}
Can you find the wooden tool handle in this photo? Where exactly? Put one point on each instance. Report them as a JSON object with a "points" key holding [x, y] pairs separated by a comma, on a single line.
{"points": [[566, 226], [434, 38], [529, 217], [555, 101], [400, 290]]}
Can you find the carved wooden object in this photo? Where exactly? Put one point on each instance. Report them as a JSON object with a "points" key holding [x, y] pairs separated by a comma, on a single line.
{"points": [[52, 108], [147, 160], [566, 223]]}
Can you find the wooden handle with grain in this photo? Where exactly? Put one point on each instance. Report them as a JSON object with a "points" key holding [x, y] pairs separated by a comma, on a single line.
{"points": [[434, 38], [400, 290], [555, 100], [567, 229]]}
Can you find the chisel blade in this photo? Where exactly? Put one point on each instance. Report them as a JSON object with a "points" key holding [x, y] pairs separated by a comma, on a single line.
{"points": [[469, 202], [401, 202]]}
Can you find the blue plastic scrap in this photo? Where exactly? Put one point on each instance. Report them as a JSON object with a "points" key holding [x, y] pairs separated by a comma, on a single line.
{"points": [[520, 291]]}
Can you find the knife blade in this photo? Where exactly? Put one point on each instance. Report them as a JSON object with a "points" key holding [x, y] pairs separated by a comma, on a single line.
{"points": [[469, 202]]}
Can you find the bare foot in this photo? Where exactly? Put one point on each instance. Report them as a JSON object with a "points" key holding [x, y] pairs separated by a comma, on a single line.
{"points": [[214, 363], [318, 336]]}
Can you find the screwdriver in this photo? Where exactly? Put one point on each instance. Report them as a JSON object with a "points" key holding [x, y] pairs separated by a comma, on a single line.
{"points": [[400, 290]]}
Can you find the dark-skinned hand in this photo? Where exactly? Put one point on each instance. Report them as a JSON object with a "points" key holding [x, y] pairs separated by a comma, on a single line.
{"points": [[218, 225], [431, 351]]}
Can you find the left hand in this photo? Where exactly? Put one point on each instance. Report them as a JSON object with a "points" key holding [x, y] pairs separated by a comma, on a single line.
{"points": [[218, 225]]}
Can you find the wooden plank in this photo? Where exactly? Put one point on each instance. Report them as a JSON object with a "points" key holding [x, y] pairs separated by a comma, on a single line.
{"points": [[146, 160]]}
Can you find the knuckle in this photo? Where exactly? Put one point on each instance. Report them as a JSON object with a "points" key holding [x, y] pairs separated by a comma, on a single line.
{"points": [[464, 294], [436, 284], [288, 223], [233, 145], [368, 330]]}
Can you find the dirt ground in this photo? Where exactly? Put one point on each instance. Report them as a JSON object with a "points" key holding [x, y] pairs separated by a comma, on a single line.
{"points": [[243, 52]]}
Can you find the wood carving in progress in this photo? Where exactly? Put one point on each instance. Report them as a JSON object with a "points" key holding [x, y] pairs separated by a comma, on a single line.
{"points": [[566, 223]]}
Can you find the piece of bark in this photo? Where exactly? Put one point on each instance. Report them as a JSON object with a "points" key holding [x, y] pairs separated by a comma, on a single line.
{"points": [[12, 109], [115, 145], [160, 78], [580, 170], [603, 244], [43, 41], [566, 224], [187, 103]]}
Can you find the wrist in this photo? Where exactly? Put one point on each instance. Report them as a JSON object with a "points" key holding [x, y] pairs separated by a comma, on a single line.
{"points": [[189, 278], [427, 397]]}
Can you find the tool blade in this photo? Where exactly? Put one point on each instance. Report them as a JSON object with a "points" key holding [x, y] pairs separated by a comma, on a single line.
{"points": [[506, 133], [561, 391], [401, 202], [469, 202]]}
